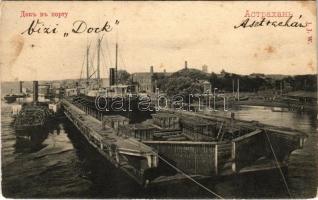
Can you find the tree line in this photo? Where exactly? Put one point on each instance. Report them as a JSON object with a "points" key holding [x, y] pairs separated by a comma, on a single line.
{"points": [[189, 81]]}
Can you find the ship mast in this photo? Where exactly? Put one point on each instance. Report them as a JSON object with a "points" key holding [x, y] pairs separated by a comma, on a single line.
{"points": [[116, 63], [98, 61], [238, 89], [87, 66]]}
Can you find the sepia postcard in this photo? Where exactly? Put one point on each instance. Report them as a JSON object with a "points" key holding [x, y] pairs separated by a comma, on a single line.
{"points": [[159, 99]]}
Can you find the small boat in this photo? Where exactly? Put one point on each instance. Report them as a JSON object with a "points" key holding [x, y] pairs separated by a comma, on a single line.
{"points": [[10, 98], [242, 98]]}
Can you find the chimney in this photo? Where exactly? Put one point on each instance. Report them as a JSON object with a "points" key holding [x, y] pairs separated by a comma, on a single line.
{"points": [[20, 86], [186, 65], [164, 71], [205, 68], [35, 91], [151, 69], [111, 76]]}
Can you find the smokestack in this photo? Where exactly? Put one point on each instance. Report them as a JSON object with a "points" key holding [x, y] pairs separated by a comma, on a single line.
{"points": [[35, 91], [111, 76], [116, 65], [151, 69], [205, 68], [186, 65], [20, 86]]}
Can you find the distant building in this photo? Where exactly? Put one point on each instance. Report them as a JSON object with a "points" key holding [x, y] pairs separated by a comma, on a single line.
{"points": [[70, 92], [205, 68], [146, 80], [207, 87]]}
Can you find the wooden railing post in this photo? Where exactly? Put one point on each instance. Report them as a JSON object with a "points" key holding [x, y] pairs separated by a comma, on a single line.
{"points": [[216, 159], [233, 156]]}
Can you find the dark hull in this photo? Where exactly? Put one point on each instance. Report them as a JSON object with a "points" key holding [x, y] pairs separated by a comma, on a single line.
{"points": [[12, 98], [131, 108], [32, 118], [20, 130]]}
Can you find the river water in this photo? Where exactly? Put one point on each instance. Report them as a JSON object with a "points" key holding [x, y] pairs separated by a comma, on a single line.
{"points": [[58, 163]]}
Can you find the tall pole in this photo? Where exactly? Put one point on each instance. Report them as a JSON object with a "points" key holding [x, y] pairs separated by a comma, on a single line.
{"points": [[281, 88], [20, 87], [116, 64], [98, 61], [87, 65], [214, 98], [238, 89], [35, 92], [233, 86]]}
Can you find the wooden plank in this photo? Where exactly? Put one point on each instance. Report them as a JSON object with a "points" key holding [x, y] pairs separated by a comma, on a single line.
{"points": [[247, 135], [182, 142], [216, 159]]}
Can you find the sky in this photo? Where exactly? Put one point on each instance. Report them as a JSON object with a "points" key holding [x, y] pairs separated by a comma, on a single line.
{"points": [[159, 34]]}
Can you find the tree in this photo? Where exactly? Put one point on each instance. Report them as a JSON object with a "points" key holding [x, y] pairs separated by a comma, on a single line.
{"points": [[123, 77]]}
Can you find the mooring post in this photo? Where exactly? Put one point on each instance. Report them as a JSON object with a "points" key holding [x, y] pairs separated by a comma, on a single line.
{"points": [[216, 159], [103, 123], [233, 157], [149, 161], [301, 142]]}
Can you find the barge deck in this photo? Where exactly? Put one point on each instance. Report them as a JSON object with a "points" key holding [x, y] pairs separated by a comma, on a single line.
{"points": [[128, 154]]}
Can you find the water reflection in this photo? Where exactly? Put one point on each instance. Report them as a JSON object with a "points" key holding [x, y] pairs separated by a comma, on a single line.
{"points": [[30, 143], [304, 121]]}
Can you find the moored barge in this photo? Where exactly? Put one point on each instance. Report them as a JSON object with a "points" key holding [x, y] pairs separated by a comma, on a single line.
{"points": [[128, 154], [205, 146]]}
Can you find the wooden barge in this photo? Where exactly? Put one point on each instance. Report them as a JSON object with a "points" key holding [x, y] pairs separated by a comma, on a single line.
{"points": [[194, 144], [202, 146], [128, 154]]}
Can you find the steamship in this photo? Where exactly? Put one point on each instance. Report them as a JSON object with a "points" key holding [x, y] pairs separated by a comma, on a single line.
{"points": [[118, 99], [33, 116], [10, 98]]}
